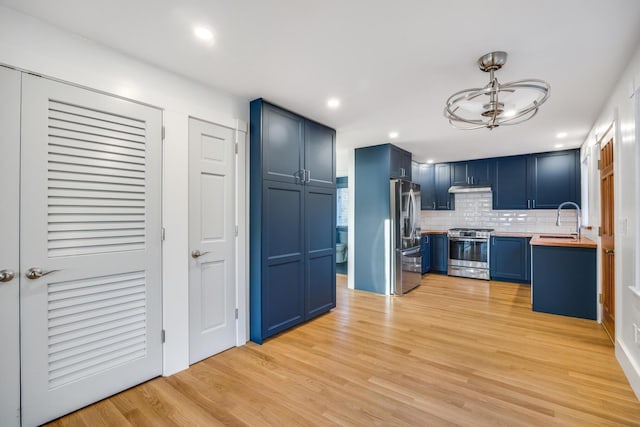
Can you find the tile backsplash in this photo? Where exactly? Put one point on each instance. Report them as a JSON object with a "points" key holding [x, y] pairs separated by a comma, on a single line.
{"points": [[475, 210]]}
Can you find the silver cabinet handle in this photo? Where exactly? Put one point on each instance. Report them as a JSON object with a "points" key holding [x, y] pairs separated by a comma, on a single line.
{"points": [[434, 205], [308, 174], [7, 275], [197, 254], [36, 273], [528, 204]]}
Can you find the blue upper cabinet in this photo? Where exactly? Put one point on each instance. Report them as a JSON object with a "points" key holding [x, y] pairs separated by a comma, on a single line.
{"points": [[427, 181], [554, 178], [319, 155], [473, 172], [283, 143], [444, 199], [510, 183], [537, 181], [400, 163]]}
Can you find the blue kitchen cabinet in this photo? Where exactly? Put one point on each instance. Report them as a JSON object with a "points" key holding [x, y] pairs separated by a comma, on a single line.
{"points": [[444, 199], [292, 219], [425, 249], [510, 183], [553, 178], [537, 181], [427, 181], [374, 166], [564, 281], [400, 162], [472, 172], [510, 259], [439, 253]]}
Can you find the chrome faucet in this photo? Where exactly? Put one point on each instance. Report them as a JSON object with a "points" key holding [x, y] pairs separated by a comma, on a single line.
{"points": [[578, 216]]}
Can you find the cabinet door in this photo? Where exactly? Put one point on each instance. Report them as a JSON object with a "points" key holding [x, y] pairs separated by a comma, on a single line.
{"points": [[427, 181], [320, 155], [554, 178], [320, 268], [479, 172], [425, 247], [444, 200], [509, 258], [400, 163], [283, 259], [282, 144], [439, 253], [415, 172], [510, 183], [459, 173]]}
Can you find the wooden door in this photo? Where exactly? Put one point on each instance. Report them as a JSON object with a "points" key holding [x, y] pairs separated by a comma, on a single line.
{"points": [[212, 240], [9, 247], [90, 247], [607, 238]]}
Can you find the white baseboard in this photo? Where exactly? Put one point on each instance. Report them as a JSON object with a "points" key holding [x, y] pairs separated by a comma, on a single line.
{"points": [[629, 366]]}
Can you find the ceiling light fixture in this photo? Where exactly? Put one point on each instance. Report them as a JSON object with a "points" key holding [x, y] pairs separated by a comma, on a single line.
{"points": [[393, 135], [561, 135], [333, 103], [496, 104], [430, 161], [203, 34]]}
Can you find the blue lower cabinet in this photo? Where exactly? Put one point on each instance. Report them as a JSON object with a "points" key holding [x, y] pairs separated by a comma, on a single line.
{"points": [[439, 253], [564, 281], [425, 248], [510, 259]]}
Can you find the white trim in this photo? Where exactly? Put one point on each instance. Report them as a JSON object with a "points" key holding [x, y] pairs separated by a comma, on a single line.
{"points": [[637, 179], [630, 368], [635, 290]]}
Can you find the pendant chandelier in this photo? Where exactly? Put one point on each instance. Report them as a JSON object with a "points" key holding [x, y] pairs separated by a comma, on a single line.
{"points": [[496, 104]]}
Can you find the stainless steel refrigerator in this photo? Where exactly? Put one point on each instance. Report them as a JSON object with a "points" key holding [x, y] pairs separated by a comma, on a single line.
{"points": [[405, 256]]}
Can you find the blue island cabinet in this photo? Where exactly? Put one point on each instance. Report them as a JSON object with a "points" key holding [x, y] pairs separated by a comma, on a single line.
{"points": [[564, 280], [292, 219]]}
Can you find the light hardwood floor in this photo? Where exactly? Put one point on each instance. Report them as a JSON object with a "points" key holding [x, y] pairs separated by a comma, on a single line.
{"points": [[452, 352]]}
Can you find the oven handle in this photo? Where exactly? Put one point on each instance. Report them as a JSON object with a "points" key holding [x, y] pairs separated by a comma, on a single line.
{"points": [[468, 239]]}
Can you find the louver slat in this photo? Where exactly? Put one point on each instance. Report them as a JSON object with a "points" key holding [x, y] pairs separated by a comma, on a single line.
{"points": [[95, 324], [96, 182]]}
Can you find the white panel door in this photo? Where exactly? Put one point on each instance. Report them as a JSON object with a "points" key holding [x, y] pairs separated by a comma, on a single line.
{"points": [[90, 258], [9, 247], [212, 292]]}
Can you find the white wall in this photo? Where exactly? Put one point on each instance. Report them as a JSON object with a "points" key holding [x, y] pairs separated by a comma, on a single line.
{"points": [[33, 45], [620, 110]]}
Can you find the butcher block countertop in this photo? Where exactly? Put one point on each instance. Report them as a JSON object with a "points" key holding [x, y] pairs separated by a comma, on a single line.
{"points": [[511, 234], [551, 239], [424, 232]]}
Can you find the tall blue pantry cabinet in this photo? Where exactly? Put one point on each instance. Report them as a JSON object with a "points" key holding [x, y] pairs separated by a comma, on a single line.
{"points": [[292, 219]]}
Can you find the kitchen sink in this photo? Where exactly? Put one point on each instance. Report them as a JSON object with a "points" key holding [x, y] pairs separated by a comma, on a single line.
{"points": [[558, 236]]}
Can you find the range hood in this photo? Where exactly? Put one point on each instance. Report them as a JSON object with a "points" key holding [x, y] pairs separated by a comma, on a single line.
{"points": [[470, 189]]}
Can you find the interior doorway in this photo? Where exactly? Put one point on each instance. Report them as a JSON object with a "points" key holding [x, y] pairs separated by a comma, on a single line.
{"points": [[342, 230], [607, 238]]}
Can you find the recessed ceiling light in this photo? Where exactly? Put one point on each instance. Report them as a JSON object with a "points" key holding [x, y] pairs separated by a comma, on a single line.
{"points": [[203, 34], [333, 103], [558, 146], [393, 135], [561, 135], [430, 161]]}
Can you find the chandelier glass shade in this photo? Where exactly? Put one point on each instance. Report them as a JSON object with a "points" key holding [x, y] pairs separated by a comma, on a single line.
{"points": [[496, 104]]}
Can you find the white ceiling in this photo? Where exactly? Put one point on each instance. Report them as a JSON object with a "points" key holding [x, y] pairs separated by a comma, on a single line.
{"points": [[392, 63]]}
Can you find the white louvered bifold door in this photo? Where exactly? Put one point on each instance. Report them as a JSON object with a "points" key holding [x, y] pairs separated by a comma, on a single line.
{"points": [[91, 214]]}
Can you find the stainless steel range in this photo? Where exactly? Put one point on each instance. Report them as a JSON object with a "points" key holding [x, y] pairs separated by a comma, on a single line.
{"points": [[469, 252]]}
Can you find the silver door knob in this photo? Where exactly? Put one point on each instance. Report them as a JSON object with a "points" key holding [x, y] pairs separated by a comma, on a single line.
{"points": [[7, 275], [36, 273], [197, 254], [609, 251]]}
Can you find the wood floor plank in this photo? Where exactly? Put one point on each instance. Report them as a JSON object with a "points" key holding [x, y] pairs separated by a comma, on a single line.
{"points": [[453, 352]]}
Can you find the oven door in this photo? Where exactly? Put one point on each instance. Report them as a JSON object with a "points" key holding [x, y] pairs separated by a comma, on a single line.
{"points": [[469, 252]]}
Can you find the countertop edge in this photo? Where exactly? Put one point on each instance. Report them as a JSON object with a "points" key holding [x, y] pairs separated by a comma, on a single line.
{"points": [[582, 243]]}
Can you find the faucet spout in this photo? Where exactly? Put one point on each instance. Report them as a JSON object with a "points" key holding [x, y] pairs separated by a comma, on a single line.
{"points": [[578, 216]]}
